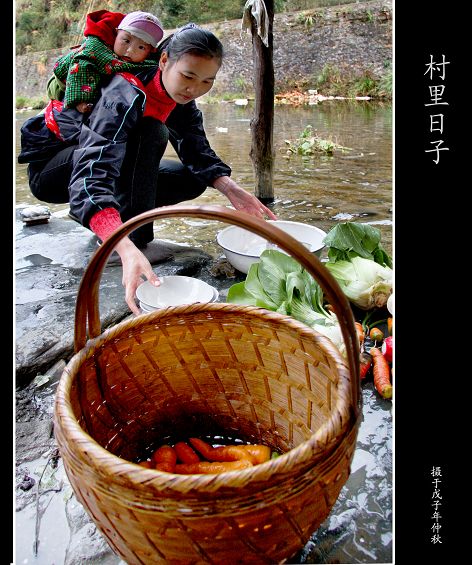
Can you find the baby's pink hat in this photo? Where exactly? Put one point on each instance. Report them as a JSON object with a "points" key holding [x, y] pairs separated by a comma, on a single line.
{"points": [[143, 25]]}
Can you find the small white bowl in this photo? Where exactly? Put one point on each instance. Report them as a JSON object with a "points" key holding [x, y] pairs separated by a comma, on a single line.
{"points": [[173, 291], [242, 248]]}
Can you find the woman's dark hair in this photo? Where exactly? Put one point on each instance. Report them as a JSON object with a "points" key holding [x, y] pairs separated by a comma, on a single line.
{"points": [[192, 40]]}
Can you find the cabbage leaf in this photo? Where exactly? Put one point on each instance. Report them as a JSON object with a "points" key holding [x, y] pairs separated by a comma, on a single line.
{"points": [[365, 283], [359, 263], [350, 239], [279, 283]]}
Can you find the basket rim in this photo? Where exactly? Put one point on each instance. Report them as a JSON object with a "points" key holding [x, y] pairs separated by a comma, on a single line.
{"points": [[298, 457]]}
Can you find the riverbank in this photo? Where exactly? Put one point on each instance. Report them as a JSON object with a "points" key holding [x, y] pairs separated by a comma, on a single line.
{"points": [[341, 50]]}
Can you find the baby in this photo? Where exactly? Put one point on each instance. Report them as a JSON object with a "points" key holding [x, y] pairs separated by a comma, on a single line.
{"points": [[113, 43]]}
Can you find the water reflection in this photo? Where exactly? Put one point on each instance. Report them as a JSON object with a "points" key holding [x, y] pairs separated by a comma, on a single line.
{"points": [[321, 190]]}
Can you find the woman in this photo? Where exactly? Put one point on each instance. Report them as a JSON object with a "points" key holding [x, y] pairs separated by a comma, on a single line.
{"points": [[112, 169]]}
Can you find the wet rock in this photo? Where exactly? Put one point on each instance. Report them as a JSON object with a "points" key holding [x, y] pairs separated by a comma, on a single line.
{"points": [[222, 268], [86, 544], [33, 439], [35, 214], [26, 482], [50, 262]]}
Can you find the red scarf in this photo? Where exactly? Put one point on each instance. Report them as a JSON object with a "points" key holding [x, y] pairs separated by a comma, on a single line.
{"points": [[158, 103]]}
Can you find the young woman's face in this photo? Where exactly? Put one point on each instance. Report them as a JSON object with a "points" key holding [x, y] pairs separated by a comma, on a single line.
{"points": [[130, 48], [189, 77]]}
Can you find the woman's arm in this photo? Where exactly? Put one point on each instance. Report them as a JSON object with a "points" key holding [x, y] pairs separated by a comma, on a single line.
{"points": [[102, 148], [189, 140], [187, 136]]}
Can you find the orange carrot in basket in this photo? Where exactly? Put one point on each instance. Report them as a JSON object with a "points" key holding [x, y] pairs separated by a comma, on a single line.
{"points": [[202, 447], [381, 373], [360, 333], [213, 467], [146, 464], [185, 454], [222, 453], [164, 458], [365, 364], [165, 466], [259, 453]]}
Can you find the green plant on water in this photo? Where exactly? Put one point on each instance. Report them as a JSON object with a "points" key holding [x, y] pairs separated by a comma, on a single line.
{"points": [[308, 144]]}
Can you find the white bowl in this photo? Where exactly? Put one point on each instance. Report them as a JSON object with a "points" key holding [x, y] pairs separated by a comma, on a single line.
{"points": [[173, 291], [242, 248]]}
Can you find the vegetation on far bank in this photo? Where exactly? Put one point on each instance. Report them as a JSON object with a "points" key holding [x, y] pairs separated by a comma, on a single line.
{"points": [[330, 82], [50, 24], [42, 25]]}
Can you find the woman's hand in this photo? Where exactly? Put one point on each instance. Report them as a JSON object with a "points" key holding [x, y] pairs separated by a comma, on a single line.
{"points": [[135, 266], [242, 199]]}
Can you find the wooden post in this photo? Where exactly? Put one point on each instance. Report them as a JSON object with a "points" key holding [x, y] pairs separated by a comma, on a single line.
{"points": [[262, 124]]}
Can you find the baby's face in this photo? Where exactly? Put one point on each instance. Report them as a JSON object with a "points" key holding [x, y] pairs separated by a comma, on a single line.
{"points": [[130, 48]]}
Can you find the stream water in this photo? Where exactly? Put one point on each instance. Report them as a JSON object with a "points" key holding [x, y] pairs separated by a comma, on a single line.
{"points": [[321, 190]]}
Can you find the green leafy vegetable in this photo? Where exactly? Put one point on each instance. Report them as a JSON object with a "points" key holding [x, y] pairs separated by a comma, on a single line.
{"points": [[279, 283], [360, 264], [365, 283], [350, 239]]}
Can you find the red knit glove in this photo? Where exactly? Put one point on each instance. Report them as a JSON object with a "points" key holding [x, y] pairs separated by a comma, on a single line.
{"points": [[105, 222]]}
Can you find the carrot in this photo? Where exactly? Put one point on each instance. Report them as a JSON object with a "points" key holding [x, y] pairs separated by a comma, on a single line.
{"points": [[381, 373], [214, 467], [376, 334], [202, 447], [231, 453], [185, 454], [360, 333], [259, 453], [365, 364], [164, 458], [165, 466], [222, 453], [146, 464], [390, 325]]}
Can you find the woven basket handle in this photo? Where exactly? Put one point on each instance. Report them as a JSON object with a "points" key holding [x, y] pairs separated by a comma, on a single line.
{"points": [[87, 308]]}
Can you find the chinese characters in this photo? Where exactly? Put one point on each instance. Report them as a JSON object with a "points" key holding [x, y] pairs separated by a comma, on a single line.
{"points": [[436, 71], [436, 504]]}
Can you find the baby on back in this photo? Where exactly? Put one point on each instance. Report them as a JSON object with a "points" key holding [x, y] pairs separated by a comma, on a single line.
{"points": [[113, 43]]}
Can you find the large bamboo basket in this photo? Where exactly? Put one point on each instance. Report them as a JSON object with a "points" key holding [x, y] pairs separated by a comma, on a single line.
{"points": [[254, 373]]}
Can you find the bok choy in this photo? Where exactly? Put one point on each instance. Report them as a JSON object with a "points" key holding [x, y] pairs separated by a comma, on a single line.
{"points": [[350, 239], [365, 283], [360, 265], [279, 283]]}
